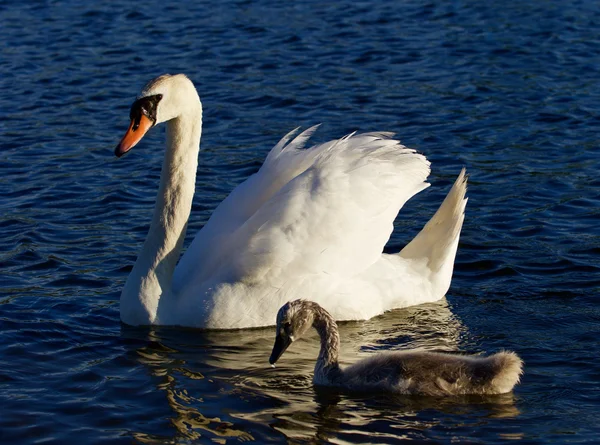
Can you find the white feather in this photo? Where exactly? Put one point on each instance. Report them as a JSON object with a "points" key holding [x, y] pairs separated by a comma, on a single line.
{"points": [[309, 222]]}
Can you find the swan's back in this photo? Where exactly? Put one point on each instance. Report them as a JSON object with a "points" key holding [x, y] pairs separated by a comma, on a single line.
{"points": [[429, 373]]}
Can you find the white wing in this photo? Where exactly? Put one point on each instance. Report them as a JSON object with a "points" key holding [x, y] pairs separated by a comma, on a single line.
{"points": [[197, 264], [325, 210]]}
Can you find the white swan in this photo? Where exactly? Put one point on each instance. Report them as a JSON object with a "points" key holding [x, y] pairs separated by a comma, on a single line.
{"points": [[309, 222], [403, 372]]}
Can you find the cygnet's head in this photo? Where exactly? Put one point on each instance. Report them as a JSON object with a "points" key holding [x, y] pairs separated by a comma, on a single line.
{"points": [[161, 100], [293, 320]]}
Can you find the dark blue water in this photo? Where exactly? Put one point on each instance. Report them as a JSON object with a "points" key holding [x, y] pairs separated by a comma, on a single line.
{"points": [[511, 90]]}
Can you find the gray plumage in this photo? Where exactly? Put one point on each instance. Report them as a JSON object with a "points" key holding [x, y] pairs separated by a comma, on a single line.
{"points": [[402, 372]]}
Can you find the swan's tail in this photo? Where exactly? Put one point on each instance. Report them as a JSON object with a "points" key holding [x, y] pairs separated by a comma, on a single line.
{"points": [[495, 374], [438, 241], [507, 368]]}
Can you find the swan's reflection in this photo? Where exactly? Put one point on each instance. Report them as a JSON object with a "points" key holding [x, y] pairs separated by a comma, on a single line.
{"points": [[226, 374], [166, 363]]}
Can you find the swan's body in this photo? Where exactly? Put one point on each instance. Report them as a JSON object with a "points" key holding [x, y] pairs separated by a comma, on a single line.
{"points": [[404, 372], [310, 221]]}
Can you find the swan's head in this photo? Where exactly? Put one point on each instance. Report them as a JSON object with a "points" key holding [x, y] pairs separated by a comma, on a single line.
{"points": [[293, 320], [162, 99]]}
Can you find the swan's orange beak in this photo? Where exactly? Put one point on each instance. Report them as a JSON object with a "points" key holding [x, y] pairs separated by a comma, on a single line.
{"points": [[136, 132]]}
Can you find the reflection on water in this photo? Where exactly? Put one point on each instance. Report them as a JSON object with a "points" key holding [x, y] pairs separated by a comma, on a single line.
{"points": [[167, 364], [198, 370]]}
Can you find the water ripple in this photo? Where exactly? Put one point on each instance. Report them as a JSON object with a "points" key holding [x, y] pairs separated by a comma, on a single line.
{"points": [[508, 90]]}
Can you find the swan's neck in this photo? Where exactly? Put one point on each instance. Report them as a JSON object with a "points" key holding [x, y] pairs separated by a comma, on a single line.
{"points": [[150, 279], [327, 369]]}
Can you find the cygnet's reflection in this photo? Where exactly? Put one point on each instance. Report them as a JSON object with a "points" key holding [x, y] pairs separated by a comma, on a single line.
{"points": [[218, 372]]}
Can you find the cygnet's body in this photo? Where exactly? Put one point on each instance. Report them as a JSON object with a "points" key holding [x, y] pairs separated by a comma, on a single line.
{"points": [[403, 372]]}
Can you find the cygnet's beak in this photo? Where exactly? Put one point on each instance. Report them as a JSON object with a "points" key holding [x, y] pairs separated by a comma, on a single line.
{"points": [[137, 129], [281, 344]]}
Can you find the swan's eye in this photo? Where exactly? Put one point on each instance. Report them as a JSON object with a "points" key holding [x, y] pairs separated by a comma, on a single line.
{"points": [[146, 106], [287, 327]]}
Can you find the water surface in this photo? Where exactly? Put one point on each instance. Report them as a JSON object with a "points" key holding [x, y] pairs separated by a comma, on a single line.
{"points": [[508, 90]]}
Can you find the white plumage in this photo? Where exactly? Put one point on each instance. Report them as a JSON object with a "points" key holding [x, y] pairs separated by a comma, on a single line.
{"points": [[309, 222]]}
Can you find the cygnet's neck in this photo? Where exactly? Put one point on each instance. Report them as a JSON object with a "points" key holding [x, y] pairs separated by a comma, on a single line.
{"points": [[327, 369], [150, 279]]}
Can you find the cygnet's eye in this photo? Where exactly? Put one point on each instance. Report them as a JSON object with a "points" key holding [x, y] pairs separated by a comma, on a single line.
{"points": [[287, 326], [145, 111]]}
